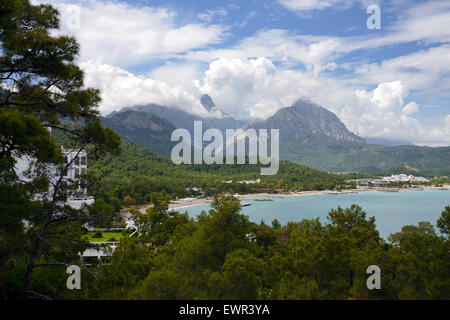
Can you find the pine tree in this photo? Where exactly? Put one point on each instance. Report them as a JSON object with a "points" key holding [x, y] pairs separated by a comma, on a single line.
{"points": [[40, 86]]}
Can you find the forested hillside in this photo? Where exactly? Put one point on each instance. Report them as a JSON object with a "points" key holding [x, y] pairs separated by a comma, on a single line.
{"points": [[137, 171], [309, 135], [329, 155]]}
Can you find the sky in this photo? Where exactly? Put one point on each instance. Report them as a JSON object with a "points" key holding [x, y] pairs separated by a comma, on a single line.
{"points": [[254, 57]]}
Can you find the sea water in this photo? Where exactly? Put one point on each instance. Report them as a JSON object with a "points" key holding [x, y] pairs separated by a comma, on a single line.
{"points": [[392, 210]]}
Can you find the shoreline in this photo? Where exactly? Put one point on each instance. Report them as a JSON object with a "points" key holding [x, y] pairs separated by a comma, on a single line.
{"points": [[189, 202]]}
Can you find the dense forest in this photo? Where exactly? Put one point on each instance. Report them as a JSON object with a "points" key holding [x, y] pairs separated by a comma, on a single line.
{"points": [[222, 255], [329, 155], [138, 171]]}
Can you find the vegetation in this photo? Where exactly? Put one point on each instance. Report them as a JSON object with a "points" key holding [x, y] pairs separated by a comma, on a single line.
{"points": [[222, 255], [40, 85], [128, 178], [327, 154], [104, 236], [439, 181]]}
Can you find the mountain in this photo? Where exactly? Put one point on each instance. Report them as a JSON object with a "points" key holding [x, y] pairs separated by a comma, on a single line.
{"points": [[179, 118], [151, 125], [207, 102], [388, 142], [305, 119], [211, 107], [337, 156], [182, 119], [142, 128], [309, 135], [313, 136]]}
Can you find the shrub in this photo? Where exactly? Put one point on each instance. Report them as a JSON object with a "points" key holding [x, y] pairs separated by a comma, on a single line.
{"points": [[97, 235]]}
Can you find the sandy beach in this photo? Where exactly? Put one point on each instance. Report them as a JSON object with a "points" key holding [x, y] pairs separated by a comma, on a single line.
{"points": [[188, 202]]}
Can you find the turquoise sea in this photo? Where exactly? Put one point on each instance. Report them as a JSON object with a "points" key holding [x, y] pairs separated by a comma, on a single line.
{"points": [[392, 210]]}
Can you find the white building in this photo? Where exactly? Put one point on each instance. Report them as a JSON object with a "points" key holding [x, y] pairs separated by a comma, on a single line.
{"points": [[73, 175], [404, 178], [105, 251], [76, 171]]}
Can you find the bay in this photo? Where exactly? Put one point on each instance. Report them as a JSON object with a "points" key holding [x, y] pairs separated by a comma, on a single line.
{"points": [[392, 210]]}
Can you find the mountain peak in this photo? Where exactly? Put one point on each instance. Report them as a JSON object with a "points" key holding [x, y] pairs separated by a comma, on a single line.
{"points": [[304, 100], [307, 105], [305, 118], [210, 106], [207, 102]]}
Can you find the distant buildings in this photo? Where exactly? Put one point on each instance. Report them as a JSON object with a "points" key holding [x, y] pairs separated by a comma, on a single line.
{"points": [[368, 183], [244, 181], [404, 178], [386, 181], [196, 190]]}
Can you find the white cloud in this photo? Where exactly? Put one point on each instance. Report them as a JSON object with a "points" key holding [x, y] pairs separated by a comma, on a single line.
{"points": [[308, 5], [240, 87], [177, 74], [256, 88], [305, 8], [438, 135], [381, 113], [123, 34], [210, 15], [425, 70], [314, 52], [236, 84], [410, 108], [447, 122], [120, 88], [269, 69], [424, 22]]}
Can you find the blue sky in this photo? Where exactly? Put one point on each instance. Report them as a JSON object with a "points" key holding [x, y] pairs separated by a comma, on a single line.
{"points": [[254, 57]]}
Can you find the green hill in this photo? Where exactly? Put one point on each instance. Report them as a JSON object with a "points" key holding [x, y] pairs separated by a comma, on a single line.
{"points": [[309, 135], [333, 156], [137, 171]]}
